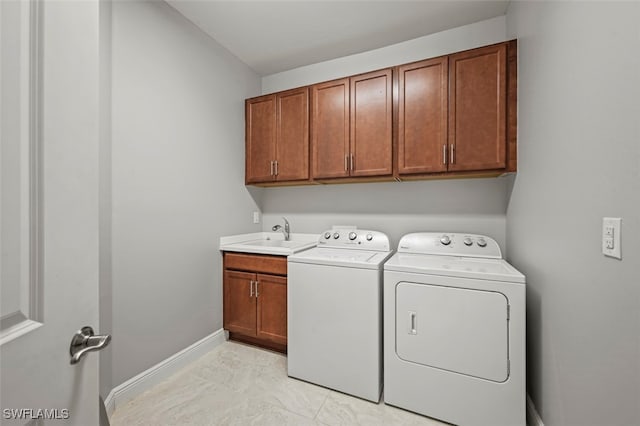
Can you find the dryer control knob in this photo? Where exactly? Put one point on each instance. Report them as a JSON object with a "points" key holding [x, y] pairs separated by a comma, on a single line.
{"points": [[353, 236], [445, 240], [327, 235], [468, 241], [336, 235], [482, 242], [369, 237]]}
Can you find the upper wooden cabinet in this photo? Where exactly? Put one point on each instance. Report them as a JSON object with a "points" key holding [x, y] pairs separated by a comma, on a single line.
{"points": [[371, 124], [477, 109], [352, 126], [422, 116], [277, 137], [330, 129], [453, 112], [260, 139], [454, 115]]}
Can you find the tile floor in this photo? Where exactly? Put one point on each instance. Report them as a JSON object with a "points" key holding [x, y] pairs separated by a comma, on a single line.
{"points": [[235, 384]]}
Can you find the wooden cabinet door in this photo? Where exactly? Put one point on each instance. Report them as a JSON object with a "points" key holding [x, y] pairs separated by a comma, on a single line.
{"points": [[423, 116], [272, 308], [330, 129], [260, 139], [477, 109], [239, 302], [292, 136], [371, 123]]}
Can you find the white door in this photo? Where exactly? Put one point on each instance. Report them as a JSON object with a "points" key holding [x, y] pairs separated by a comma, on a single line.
{"points": [[51, 282]]}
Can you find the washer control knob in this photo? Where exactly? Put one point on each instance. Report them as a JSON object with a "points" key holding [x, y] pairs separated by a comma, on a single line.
{"points": [[336, 235], [468, 241], [327, 235], [482, 242], [369, 237], [445, 240], [353, 236]]}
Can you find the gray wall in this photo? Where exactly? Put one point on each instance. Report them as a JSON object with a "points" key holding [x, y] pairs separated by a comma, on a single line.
{"points": [[177, 181], [396, 208], [442, 43], [579, 160], [460, 205]]}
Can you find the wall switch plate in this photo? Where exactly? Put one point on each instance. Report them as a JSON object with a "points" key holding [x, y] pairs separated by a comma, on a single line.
{"points": [[256, 217], [611, 229]]}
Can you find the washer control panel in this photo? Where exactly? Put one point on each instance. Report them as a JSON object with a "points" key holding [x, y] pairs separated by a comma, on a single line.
{"points": [[353, 238], [450, 244]]}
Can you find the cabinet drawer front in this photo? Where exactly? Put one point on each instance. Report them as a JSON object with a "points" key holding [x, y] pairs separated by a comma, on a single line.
{"points": [[256, 263]]}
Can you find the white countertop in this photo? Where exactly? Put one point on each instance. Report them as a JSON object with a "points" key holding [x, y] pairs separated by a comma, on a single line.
{"points": [[268, 243]]}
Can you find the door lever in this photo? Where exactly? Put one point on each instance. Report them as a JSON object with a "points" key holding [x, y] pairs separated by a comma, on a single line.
{"points": [[86, 341]]}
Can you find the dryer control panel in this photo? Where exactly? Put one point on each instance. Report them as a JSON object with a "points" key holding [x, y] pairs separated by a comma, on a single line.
{"points": [[350, 237], [450, 244]]}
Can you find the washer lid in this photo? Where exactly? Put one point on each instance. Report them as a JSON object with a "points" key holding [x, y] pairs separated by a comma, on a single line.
{"points": [[450, 266], [341, 257]]}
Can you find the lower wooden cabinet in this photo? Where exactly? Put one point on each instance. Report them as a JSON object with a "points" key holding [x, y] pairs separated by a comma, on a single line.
{"points": [[255, 299]]}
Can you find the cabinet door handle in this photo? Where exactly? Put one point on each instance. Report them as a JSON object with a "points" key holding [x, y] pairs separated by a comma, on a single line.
{"points": [[346, 163], [251, 289], [452, 157], [351, 156], [270, 168], [257, 294], [276, 173], [444, 154]]}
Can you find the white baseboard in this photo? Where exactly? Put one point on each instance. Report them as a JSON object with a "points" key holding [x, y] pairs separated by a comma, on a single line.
{"points": [[133, 387], [533, 418]]}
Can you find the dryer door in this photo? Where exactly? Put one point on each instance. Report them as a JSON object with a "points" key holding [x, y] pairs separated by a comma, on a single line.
{"points": [[454, 329]]}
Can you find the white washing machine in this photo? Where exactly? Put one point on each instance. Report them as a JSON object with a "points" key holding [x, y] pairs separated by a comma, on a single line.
{"points": [[334, 312], [454, 327]]}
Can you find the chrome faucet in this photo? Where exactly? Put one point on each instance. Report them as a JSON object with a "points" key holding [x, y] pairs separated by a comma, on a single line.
{"points": [[285, 230]]}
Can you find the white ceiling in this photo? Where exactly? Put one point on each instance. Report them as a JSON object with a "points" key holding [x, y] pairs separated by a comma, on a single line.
{"points": [[274, 36]]}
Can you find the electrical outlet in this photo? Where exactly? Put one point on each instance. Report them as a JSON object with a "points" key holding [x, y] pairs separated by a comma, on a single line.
{"points": [[611, 229], [256, 217]]}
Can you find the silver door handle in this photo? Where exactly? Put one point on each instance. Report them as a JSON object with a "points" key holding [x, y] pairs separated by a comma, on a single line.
{"points": [[271, 168], [276, 173], [351, 161], [85, 341], [444, 154], [346, 163], [257, 294], [452, 157], [251, 289]]}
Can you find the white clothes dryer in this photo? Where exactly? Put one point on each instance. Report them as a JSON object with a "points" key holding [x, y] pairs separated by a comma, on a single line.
{"points": [[454, 327], [334, 307]]}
